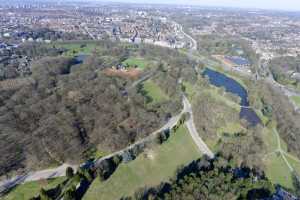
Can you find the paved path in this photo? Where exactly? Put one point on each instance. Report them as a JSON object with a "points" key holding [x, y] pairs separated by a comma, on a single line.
{"points": [[193, 131], [170, 124], [34, 176], [187, 108], [60, 171]]}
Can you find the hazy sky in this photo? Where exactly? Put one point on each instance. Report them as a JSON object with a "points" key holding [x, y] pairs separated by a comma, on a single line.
{"points": [[267, 4]]}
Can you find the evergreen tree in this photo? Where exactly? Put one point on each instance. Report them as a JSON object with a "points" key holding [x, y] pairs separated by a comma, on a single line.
{"points": [[69, 172]]}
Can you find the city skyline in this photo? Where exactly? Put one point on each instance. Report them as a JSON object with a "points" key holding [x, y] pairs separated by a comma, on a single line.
{"points": [[290, 5]]}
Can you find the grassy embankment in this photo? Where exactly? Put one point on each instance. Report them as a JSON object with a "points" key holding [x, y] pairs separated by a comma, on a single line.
{"points": [[140, 63], [30, 189], [191, 91], [213, 92], [77, 48], [277, 169], [155, 92], [149, 169], [296, 99], [230, 128]]}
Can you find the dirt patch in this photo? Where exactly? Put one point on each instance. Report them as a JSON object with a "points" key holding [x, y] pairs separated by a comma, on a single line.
{"points": [[149, 154], [130, 73]]}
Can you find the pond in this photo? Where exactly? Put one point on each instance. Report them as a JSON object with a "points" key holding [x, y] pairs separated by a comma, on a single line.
{"points": [[221, 80], [79, 59]]}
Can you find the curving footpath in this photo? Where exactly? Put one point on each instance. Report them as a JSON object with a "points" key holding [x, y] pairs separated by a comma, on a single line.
{"points": [[60, 171], [34, 176], [193, 131]]}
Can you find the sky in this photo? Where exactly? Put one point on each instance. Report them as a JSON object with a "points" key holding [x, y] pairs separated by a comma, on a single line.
{"points": [[293, 5]]}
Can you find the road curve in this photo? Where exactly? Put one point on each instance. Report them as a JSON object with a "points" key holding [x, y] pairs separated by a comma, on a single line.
{"points": [[193, 131], [60, 171], [34, 176]]}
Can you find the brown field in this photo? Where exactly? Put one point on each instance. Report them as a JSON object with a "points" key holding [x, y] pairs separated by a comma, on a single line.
{"points": [[130, 73]]}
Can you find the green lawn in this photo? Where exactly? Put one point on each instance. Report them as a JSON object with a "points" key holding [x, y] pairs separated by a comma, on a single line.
{"points": [[215, 94], [76, 48], [296, 99], [231, 128], [31, 189], [277, 171], [159, 165], [270, 140], [263, 118], [154, 91], [189, 90], [139, 62], [294, 162]]}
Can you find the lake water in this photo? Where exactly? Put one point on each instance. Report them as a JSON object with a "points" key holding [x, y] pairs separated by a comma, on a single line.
{"points": [[221, 80]]}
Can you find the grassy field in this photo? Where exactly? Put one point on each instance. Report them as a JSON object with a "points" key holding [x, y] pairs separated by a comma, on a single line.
{"points": [[155, 92], [139, 62], [30, 189], [215, 94], [294, 162], [189, 90], [270, 140], [262, 117], [296, 99], [76, 48], [149, 169], [277, 170], [231, 128]]}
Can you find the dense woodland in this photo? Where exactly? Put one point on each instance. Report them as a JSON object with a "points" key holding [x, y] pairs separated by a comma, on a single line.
{"points": [[211, 179], [73, 109]]}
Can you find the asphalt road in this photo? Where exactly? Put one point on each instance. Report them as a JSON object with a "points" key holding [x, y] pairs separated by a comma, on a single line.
{"points": [[60, 171], [193, 131], [34, 176]]}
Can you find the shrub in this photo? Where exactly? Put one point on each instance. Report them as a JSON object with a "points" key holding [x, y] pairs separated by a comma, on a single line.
{"points": [[69, 172], [44, 195], [70, 194]]}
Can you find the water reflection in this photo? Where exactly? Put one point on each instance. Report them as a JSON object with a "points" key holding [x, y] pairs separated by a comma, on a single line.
{"points": [[221, 80]]}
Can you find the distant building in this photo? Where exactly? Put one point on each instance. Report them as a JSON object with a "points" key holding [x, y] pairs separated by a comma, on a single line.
{"points": [[238, 61], [6, 35]]}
